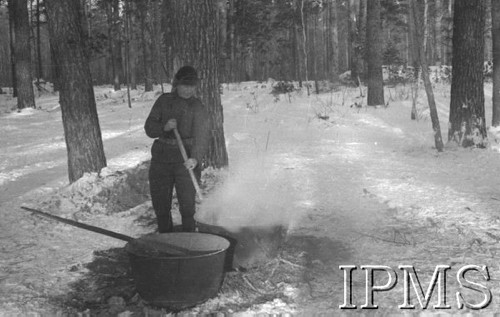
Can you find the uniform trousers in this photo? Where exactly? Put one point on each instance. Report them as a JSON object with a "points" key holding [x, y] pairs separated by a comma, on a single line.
{"points": [[163, 178]]}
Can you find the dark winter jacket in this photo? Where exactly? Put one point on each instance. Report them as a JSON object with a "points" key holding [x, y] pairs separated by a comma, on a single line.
{"points": [[192, 124]]}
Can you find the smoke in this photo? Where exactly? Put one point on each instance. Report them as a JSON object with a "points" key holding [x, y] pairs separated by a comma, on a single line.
{"points": [[255, 193]]}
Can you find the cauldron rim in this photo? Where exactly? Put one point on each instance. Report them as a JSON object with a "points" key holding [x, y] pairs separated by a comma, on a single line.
{"points": [[129, 246]]}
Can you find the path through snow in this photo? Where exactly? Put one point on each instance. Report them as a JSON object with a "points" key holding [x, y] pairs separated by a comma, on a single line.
{"points": [[368, 180]]}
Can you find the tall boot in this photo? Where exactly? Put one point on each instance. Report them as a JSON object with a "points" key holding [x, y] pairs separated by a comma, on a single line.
{"points": [[165, 223], [188, 224]]}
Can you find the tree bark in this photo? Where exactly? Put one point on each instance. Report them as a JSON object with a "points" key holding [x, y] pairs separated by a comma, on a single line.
{"points": [[298, 49], [488, 42], [146, 48], [156, 41], [304, 43], [413, 61], [117, 45], [110, 61], [232, 41], [438, 31], [350, 39], [53, 68], [79, 114], [438, 141], [341, 17], [294, 48], [335, 39], [328, 41], [426, 28], [374, 54], [449, 27], [22, 52], [127, 12], [314, 57], [354, 31], [12, 36], [195, 41], [38, 43], [467, 118], [362, 38], [132, 46], [495, 17]]}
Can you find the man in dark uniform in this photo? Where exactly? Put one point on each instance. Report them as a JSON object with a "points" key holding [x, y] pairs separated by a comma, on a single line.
{"points": [[179, 110]]}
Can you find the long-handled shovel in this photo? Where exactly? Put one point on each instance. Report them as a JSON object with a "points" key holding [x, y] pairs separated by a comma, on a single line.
{"points": [[185, 157], [157, 247]]}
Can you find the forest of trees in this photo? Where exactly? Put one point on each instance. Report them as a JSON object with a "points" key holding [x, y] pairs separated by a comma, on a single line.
{"points": [[259, 39], [83, 43]]}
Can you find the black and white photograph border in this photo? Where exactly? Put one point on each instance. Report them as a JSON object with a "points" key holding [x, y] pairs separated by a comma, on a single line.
{"points": [[249, 158]]}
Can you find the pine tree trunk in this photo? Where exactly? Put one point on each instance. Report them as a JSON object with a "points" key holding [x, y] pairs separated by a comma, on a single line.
{"points": [[195, 41], [117, 45], [53, 68], [413, 61], [222, 10], [350, 39], [110, 61], [447, 43], [12, 36], [38, 43], [293, 47], [341, 18], [412, 47], [488, 42], [85, 25], [428, 35], [132, 66], [146, 54], [232, 42], [127, 13], [355, 45], [22, 52], [156, 41], [327, 40], [360, 50], [79, 114], [298, 49], [132, 47], [467, 118], [374, 54], [495, 17], [314, 55], [438, 141], [438, 31], [304, 43]]}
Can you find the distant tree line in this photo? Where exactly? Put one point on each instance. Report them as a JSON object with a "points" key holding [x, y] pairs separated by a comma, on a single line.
{"points": [[130, 40]]}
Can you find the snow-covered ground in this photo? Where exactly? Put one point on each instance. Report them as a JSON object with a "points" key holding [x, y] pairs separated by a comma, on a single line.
{"points": [[354, 186]]}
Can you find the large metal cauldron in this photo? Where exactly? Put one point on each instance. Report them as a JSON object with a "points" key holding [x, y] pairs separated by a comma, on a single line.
{"points": [[178, 281]]}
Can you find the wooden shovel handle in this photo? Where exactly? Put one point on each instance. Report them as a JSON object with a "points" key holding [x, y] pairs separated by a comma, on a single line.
{"points": [[185, 157], [158, 248], [81, 225]]}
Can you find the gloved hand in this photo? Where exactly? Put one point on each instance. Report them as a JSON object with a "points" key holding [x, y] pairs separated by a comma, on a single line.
{"points": [[170, 125], [190, 163]]}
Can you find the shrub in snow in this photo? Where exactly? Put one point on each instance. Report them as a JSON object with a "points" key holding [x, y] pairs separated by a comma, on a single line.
{"points": [[327, 86], [345, 78], [283, 87]]}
